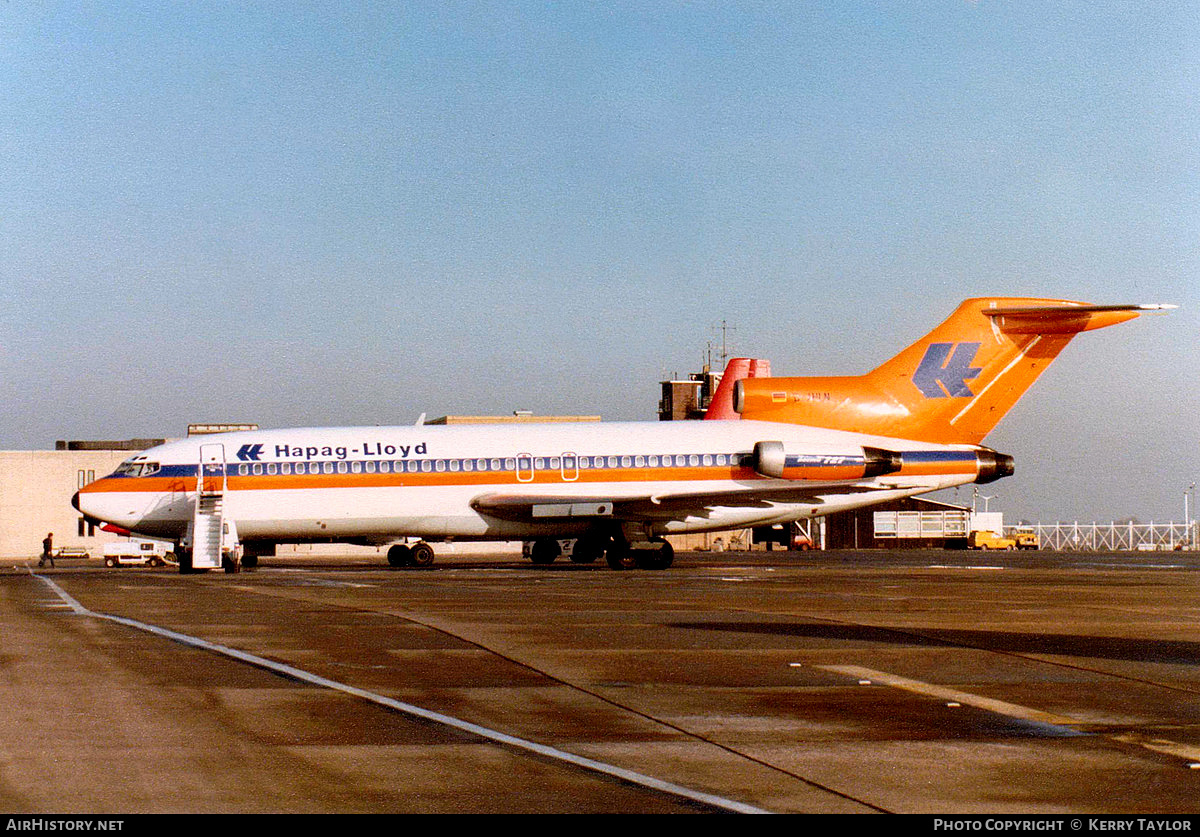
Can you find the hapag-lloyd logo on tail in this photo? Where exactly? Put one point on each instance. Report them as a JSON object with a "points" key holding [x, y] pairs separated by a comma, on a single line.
{"points": [[945, 370]]}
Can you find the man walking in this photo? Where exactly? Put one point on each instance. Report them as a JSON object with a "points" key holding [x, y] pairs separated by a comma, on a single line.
{"points": [[47, 550]]}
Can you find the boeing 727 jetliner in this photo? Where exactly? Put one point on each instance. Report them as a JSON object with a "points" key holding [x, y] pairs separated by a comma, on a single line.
{"points": [[804, 447]]}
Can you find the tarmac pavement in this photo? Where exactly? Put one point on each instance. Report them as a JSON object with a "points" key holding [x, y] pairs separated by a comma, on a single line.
{"points": [[932, 682]]}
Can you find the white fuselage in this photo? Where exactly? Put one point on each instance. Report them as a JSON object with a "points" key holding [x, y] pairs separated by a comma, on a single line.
{"points": [[501, 482]]}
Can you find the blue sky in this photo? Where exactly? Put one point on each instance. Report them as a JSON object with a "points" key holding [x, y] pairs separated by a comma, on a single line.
{"points": [[356, 213]]}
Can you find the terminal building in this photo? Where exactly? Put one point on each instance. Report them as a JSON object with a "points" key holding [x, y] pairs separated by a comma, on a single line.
{"points": [[36, 489]]}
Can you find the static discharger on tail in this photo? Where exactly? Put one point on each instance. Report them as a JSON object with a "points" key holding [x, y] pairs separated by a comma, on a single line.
{"points": [[803, 447]]}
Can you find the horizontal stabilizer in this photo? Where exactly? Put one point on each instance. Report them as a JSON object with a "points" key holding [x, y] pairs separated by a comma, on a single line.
{"points": [[1065, 318]]}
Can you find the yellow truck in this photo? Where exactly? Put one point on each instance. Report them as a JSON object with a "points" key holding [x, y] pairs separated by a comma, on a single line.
{"points": [[987, 539], [1026, 539]]}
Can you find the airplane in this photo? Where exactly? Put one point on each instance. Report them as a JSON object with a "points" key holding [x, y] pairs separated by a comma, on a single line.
{"points": [[803, 447]]}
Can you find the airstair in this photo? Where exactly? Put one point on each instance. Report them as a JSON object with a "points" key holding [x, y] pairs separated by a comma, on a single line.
{"points": [[213, 537]]}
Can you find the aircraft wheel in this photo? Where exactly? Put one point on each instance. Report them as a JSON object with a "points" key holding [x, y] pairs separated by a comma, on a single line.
{"points": [[399, 555], [661, 558], [588, 549], [656, 557], [545, 551], [621, 557], [422, 554]]}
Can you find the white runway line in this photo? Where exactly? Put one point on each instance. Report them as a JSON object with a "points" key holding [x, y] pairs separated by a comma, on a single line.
{"points": [[954, 697], [1000, 707], [621, 773]]}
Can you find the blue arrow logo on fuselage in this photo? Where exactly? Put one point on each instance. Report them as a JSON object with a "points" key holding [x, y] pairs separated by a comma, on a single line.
{"points": [[945, 370], [249, 453]]}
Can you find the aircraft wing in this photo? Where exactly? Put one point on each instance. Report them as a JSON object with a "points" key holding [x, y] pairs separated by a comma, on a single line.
{"points": [[527, 507]]}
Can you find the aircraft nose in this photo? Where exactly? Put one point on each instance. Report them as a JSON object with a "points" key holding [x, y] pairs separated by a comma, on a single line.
{"points": [[75, 502], [90, 513]]}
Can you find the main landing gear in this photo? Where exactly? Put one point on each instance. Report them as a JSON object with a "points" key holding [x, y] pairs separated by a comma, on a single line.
{"points": [[654, 554], [619, 552], [419, 554]]}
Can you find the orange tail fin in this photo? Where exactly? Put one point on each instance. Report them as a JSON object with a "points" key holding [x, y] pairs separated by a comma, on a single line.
{"points": [[951, 386]]}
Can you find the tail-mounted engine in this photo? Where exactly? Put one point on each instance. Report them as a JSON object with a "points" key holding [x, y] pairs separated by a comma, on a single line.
{"points": [[770, 459]]}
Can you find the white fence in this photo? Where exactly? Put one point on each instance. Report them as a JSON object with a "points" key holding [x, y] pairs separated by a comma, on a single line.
{"points": [[1114, 537]]}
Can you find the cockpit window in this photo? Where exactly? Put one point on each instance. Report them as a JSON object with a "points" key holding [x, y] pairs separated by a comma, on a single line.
{"points": [[137, 468]]}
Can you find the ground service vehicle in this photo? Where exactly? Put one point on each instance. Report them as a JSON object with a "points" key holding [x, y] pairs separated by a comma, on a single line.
{"points": [[986, 539], [133, 553]]}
